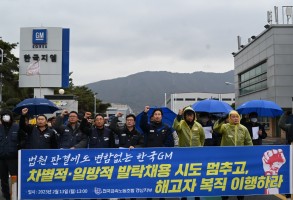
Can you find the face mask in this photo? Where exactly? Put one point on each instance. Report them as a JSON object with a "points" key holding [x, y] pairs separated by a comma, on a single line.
{"points": [[6, 118], [253, 120]]}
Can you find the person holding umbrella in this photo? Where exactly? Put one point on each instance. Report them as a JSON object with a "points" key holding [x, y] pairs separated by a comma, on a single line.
{"points": [[233, 134], [157, 133], [256, 130], [39, 136]]}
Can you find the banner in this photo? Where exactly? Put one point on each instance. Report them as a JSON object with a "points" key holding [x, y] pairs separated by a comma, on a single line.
{"points": [[33, 69], [154, 172]]}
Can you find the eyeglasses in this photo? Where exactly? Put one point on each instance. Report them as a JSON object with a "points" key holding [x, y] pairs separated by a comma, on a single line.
{"points": [[72, 116]]}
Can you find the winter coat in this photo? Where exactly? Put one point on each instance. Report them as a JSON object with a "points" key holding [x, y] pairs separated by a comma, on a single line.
{"points": [[126, 138], [249, 126], [189, 136], [210, 141], [156, 134], [101, 138], [37, 139], [97, 137], [233, 135], [69, 137], [9, 141], [286, 127]]}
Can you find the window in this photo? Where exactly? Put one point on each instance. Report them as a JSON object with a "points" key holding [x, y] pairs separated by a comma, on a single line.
{"points": [[178, 99], [265, 121], [200, 99], [226, 99], [254, 79], [190, 99]]}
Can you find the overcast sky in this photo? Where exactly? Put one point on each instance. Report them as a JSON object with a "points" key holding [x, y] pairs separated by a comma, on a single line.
{"points": [[116, 38]]}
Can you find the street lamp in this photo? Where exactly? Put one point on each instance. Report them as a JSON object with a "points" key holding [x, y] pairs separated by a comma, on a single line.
{"points": [[95, 103]]}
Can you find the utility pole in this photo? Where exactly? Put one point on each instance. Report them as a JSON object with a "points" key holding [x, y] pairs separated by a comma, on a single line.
{"points": [[95, 103], [1, 62]]}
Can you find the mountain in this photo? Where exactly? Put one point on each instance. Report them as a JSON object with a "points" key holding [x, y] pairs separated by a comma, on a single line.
{"points": [[149, 88]]}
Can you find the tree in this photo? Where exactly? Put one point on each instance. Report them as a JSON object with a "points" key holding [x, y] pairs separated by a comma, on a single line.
{"points": [[11, 93]]}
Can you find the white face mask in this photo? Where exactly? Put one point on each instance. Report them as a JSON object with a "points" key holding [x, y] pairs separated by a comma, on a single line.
{"points": [[253, 120], [6, 118]]}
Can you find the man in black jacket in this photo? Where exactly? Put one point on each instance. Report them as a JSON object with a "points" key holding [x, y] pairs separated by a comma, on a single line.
{"points": [[99, 136], [39, 136], [70, 135], [128, 135], [256, 130], [156, 132], [8, 150]]}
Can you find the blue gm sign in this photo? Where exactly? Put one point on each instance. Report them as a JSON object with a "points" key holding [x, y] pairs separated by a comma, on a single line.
{"points": [[40, 36]]}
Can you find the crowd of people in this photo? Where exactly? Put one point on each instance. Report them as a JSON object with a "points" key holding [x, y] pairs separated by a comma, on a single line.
{"points": [[69, 131]]}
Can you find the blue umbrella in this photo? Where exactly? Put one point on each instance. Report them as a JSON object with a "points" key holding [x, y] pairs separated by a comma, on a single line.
{"points": [[168, 117], [36, 106], [211, 106], [263, 108]]}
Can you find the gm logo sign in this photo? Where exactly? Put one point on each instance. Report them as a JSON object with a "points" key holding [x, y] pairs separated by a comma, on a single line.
{"points": [[40, 36]]}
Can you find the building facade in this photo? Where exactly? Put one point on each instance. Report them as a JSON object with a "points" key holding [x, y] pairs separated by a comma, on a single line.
{"points": [[124, 109], [180, 100], [264, 67]]}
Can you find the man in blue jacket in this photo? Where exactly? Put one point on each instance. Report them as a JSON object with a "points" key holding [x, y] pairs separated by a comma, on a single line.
{"points": [[156, 132]]}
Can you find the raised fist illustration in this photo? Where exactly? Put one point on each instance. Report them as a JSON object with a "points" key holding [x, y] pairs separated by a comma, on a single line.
{"points": [[272, 161]]}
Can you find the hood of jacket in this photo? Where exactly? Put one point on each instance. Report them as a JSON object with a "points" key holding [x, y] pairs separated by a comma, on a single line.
{"points": [[6, 112], [233, 112], [188, 110]]}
